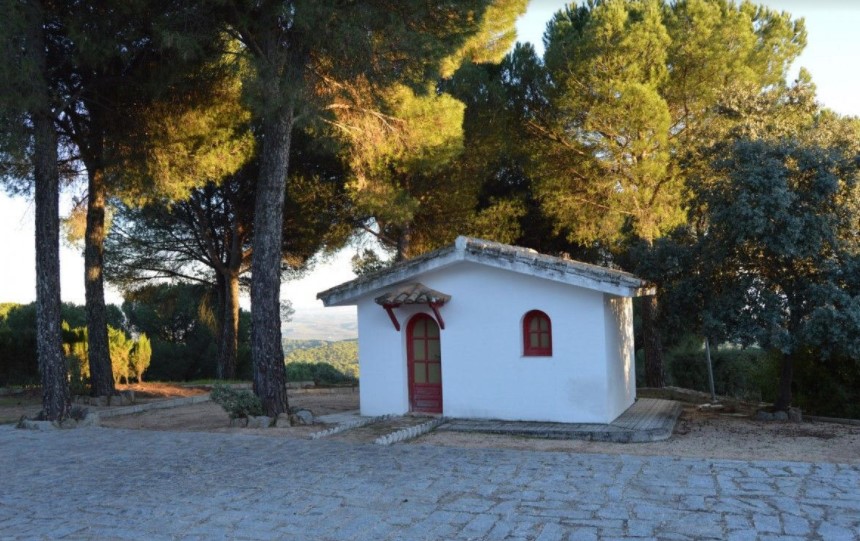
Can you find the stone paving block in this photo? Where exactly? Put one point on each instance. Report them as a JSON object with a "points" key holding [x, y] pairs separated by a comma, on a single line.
{"points": [[832, 532], [767, 523], [697, 525], [742, 535], [206, 486], [738, 522], [552, 532], [480, 525], [582, 534], [58, 531], [794, 525], [642, 528], [470, 504], [615, 511]]}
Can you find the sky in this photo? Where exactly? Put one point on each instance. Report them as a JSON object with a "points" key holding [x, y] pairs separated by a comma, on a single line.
{"points": [[833, 48]]}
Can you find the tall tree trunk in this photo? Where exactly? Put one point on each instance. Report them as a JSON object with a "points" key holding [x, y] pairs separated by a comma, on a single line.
{"points": [[786, 374], [654, 376], [101, 376], [228, 344], [404, 243], [219, 321], [49, 339], [270, 377]]}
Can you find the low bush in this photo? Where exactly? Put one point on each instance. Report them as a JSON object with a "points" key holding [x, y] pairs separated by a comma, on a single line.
{"points": [[741, 373], [238, 404]]}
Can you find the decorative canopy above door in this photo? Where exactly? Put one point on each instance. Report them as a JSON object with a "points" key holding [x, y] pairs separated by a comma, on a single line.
{"points": [[413, 294]]}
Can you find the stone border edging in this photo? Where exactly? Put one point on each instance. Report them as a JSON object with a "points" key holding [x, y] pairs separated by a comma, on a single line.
{"points": [[833, 420], [409, 433], [163, 404], [343, 427]]}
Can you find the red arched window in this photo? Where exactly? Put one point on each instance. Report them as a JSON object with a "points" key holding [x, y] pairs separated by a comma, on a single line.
{"points": [[537, 334]]}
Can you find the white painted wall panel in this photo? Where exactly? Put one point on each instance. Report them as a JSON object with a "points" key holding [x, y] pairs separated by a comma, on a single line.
{"points": [[381, 362], [620, 355], [484, 372]]}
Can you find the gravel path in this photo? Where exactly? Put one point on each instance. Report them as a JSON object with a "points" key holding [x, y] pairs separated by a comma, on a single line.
{"points": [[102, 483]]}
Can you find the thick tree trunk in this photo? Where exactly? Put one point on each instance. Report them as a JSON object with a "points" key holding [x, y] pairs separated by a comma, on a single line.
{"points": [[786, 374], [270, 377], [101, 376], [49, 341], [654, 376], [404, 244], [228, 344]]}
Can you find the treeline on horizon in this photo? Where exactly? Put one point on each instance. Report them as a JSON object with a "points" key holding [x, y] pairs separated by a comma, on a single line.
{"points": [[661, 138], [177, 320]]}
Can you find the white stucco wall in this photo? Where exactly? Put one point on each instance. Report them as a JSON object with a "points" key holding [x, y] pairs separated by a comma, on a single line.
{"points": [[620, 354], [484, 372], [382, 364]]}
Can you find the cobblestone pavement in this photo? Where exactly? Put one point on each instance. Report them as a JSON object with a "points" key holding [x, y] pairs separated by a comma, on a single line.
{"points": [[100, 483]]}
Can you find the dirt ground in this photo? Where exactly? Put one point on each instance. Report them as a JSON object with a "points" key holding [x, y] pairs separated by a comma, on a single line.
{"points": [[710, 434], [698, 434], [210, 417], [28, 402]]}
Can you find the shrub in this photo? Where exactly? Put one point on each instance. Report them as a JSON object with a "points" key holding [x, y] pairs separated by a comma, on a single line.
{"points": [[737, 372], [140, 356], [237, 404], [120, 346], [18, 365]]}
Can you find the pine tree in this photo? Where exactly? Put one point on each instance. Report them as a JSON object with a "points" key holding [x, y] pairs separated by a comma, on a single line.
{"points": [[632, 100], [29, 148], [298, 53]]}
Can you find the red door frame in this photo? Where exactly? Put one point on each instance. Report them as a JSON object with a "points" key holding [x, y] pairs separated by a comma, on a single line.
{"points": [[423, 397]]}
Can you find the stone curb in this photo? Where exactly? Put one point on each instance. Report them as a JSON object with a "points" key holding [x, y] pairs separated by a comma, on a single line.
{"points": [[409, 433], [364, 421], [293, 388], [91, 419], [834, 420], [164, 404], [610, 433]]}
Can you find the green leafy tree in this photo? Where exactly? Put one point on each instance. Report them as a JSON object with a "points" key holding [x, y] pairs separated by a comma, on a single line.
{"points": [[400, 182], [780, 253], [629, 104], [180, 320], [413, 180], [497, 150], [300, 55], [206, 238], [103, 62], [140, 356]]}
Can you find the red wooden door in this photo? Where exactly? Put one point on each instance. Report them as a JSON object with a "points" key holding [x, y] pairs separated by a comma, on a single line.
{"points": [[424, 360]]}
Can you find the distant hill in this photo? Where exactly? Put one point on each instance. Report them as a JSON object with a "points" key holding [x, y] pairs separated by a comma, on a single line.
{"points": [[306, 356], [328, 324]]}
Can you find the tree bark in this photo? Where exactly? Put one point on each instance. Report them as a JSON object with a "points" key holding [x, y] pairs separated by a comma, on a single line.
{"points": [[270, 377], [56, 403], [101, 376], [654, 376], [228, 345], [786, 373], [404, 244]]}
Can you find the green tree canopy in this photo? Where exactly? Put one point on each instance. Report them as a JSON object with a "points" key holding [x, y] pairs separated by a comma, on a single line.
{"points": [[633, 94], [300, 55], [776, 261]]}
